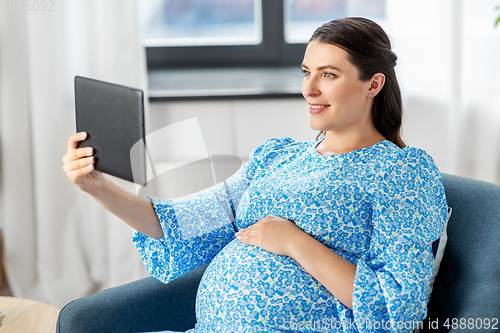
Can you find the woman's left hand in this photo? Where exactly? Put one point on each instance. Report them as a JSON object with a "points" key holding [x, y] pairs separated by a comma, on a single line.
{"points": [[273, 234]]}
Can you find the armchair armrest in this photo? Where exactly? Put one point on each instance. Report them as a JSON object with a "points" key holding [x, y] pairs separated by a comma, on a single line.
{"points": [[145, 305]]}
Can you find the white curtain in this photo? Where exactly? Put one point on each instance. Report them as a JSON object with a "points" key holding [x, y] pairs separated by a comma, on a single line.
{"points": [[449, 70], [58, 243]]}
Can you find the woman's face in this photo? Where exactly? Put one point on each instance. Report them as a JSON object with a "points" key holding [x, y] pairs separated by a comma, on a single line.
{"points": [[338, 100]]}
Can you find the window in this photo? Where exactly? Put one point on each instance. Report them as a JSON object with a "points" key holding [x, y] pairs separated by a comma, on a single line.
{"points": [[207, 22], [180, 33], [302, 17], [189, 42]]}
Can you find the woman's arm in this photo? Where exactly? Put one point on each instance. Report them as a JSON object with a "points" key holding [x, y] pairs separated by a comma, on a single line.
{"points": [[283, 237], [334, 272], [136, 212]]}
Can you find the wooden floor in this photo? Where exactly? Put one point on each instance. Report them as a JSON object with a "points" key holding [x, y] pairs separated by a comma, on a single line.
{"points": [[23, 316]]}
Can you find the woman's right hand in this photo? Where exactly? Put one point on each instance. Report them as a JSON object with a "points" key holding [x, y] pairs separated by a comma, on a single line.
{"points": [[79, 165], [136, 211]]}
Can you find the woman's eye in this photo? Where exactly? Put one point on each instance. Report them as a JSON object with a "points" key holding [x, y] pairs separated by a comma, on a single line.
{"points": [[329, 75], [306, 73]]}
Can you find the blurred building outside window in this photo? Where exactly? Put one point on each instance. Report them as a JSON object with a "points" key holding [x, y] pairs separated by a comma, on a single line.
{"points": [[201, 22], [303, 17]]}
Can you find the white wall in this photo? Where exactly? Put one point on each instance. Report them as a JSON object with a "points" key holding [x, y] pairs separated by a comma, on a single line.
{"points": [[237, 127], [228, 127], [449, 71]]}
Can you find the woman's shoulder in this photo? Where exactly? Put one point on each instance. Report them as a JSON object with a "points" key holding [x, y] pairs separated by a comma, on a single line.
{"points": [[276, 145], [413, 156], [407, 160]]}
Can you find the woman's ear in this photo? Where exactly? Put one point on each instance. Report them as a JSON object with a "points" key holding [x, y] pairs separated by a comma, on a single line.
{"points": [[376, 83]]}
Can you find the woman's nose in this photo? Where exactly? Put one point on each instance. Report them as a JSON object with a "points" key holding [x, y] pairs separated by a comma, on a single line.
{"points": [[310, 88]]}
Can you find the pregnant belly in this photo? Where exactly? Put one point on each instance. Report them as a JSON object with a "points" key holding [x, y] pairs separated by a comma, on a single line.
{"points": [[248, 286]]}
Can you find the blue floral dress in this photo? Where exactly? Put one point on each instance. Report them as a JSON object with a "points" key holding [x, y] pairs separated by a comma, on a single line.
{"points": [[379, 207]]}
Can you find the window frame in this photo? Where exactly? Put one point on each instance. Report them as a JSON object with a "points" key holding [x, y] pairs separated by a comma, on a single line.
{"points": [[272, 51]]}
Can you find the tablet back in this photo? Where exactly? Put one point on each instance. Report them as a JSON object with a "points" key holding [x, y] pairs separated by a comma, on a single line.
{"points": [[113, 117]]}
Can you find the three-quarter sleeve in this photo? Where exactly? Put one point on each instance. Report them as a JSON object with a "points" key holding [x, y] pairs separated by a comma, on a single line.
{"points": [[408, 214], [197, 228]]}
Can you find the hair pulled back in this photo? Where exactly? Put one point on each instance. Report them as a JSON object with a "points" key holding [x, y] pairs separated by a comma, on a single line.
{"points": [[369, 50]]}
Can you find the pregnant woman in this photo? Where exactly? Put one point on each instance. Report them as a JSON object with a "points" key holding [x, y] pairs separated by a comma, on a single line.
{"points": [[328, 235]]}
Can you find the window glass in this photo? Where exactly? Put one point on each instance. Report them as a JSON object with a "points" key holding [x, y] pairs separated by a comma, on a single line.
{"points": [[302, 17], [201, 22]]}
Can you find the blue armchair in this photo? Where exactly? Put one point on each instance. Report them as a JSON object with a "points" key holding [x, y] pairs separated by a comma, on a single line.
{"points": [[466, 292], [465, 297]]}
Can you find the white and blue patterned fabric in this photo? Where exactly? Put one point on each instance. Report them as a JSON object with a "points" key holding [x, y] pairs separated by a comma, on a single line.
{"points": [[379, 207]]}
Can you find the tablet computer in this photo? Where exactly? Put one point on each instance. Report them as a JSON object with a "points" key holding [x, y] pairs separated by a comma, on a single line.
{"points": [[113, 117]]}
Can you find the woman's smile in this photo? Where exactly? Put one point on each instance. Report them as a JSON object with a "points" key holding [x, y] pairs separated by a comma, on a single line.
{"points": [[317, 108]]}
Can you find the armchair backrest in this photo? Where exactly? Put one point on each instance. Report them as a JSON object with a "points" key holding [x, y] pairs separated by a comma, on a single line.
{"points": [[466, 292]]}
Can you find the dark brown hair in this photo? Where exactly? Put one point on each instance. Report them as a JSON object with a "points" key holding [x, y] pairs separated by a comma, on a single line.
{"points": [[369, 50]]}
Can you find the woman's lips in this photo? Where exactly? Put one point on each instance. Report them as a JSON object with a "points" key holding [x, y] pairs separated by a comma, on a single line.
{"points": [[317, 108]]}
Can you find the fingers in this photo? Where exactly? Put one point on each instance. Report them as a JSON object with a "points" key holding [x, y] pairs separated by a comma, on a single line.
{"points": [[247, 235], [79, 153], [75, 138], [73, 153], [78, 158], [78, 164], [244, 232], [75, 175]]}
